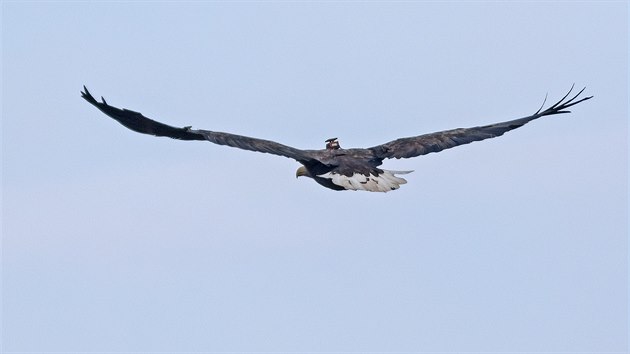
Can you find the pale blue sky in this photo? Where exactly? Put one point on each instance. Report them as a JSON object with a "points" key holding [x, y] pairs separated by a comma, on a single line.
{"points": [[118, 242]]}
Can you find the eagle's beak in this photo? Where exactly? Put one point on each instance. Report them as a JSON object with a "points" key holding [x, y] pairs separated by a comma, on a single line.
{"points": [[301, 171]]}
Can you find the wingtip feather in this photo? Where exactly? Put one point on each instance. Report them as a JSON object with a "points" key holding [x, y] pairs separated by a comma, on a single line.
{"points": [[87, 95], [564, 103]]}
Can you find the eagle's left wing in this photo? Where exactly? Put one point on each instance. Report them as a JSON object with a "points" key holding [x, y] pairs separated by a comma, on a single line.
{"points": [[141, 124], [435, 142]]}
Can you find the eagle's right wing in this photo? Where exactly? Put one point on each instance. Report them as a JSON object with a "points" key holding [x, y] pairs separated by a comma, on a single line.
{"points": [[141, 124], [435, 142]]}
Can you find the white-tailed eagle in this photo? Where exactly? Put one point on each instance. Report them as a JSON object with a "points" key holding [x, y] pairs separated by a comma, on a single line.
{"points": [[334, 167]]}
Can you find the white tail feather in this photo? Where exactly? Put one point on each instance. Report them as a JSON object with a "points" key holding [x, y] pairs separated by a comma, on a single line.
{"points": [[384, 182]]}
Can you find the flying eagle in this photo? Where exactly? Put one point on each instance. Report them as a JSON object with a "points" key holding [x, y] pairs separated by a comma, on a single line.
{"points": [[334, 167]]}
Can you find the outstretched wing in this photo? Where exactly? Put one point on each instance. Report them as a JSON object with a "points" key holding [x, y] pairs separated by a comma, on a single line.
{"points": [[435, 142], [141, 124]]}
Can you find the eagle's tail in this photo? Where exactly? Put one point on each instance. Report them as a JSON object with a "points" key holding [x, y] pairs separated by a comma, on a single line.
{"points": [[384, 181]]}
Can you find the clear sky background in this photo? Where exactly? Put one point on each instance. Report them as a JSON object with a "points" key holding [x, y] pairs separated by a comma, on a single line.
{"points": [[118, 242]]}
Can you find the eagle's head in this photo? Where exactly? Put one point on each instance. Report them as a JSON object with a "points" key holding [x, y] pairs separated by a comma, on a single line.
{"points": [[302, 171]]}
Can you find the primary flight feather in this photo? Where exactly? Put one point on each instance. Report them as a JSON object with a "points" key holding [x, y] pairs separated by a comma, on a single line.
{"points": [[334, 167]]}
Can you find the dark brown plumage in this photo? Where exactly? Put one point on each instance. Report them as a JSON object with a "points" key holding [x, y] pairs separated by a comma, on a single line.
{"points": [[335, 167]]}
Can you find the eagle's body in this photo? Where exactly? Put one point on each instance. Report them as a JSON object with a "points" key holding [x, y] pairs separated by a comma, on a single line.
{"points": [[334, 167]]}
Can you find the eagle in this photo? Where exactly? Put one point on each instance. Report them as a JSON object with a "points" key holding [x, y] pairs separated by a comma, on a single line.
{"points": [[335, 167]]}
